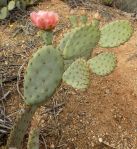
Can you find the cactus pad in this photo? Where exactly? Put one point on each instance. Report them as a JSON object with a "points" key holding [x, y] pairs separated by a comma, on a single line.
{"points": [[73, 21], [64, 41], [3, 3], [77, 74], [20, 127], [82, 41], [115, 33], [43, 75], [11, 5], [103, 64], [33, 142], [67, 63], [4, 13], [83, 19], [107, 2]]}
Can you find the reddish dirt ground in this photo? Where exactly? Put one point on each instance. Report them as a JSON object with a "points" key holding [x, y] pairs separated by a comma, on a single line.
{"points": [[103, 117]]}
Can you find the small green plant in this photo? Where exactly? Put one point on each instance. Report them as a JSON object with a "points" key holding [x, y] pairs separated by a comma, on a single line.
{"points": [[107, 2], [71, 61], [8, 5]]}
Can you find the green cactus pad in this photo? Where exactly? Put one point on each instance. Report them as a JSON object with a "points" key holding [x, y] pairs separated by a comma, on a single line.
{"points": [[82, 41], [43, 75], [4, 13], [64, 41], [107, 2], [83, 19], [33, 141], [73, 20], [103, 64], [47, 37], [21, 4], [115, 33], [11, 5], [3, 3], [20, 127], [77, 74], [18, 4], [67, 63]]}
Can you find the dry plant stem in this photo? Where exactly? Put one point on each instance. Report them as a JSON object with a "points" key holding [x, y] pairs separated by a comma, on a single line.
{"points": [[19, 129]]}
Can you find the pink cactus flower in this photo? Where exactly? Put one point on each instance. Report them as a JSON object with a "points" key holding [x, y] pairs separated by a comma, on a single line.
{"points": [[45, 20]]}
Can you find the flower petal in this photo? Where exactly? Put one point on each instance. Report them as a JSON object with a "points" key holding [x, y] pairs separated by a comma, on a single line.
{"points": [[44, 19]]}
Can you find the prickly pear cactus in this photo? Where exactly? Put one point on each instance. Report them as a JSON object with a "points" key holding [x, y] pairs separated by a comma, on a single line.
{"points": [[20, 127], [64, 41], [73, 21], [77, 75], [68, 62], [83, 19], [3, 3], [67, 36], [61, 47], [43, 75], [33, 141], [103, 64], [11, 5], [82, 41], [107, 2], [47, 37], [115, 33], [7, 5], [21, 4], [45, 70], [4, 13]]}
